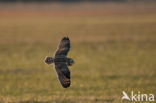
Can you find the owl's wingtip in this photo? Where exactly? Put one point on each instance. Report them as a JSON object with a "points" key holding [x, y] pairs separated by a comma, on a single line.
{"points": [[65, 38]]}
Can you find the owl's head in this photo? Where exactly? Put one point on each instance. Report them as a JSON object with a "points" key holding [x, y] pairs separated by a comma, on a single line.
{"points": [[49, 60], [71, 62]]}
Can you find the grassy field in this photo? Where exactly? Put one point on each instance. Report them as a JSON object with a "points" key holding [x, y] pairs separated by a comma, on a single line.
{"points": [[114, 51]]}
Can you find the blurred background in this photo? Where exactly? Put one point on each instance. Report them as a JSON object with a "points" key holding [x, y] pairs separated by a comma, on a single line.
{"points": [[112, 43]]}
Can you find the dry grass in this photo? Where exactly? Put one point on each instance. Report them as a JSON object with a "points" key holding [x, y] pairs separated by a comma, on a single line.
{"points": [[112, 52]]}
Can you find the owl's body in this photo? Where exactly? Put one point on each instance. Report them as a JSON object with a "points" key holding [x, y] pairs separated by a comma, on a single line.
{"points": [[68, 61], [61, 62]]}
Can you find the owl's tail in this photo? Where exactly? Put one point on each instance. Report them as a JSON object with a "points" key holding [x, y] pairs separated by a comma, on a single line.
{"points": [[49, 60]]}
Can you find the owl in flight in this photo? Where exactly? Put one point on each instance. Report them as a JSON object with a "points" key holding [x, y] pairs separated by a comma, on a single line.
{"points": [[61, 62]]}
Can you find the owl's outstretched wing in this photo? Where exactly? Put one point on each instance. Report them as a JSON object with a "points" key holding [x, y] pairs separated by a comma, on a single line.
{"points": [[63, 74], [63, 47]]}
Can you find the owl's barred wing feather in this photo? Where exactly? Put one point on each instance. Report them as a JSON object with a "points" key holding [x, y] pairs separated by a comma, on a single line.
{"points": [[63, 74], [61, 67], [63, 47], [61, 62]]}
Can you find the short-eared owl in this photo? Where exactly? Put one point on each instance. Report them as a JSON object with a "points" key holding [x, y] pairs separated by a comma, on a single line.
{"points": [[61, 62]]}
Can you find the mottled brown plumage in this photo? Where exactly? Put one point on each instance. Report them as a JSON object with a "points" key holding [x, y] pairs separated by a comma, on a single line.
{"points": [[61, 62]]}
